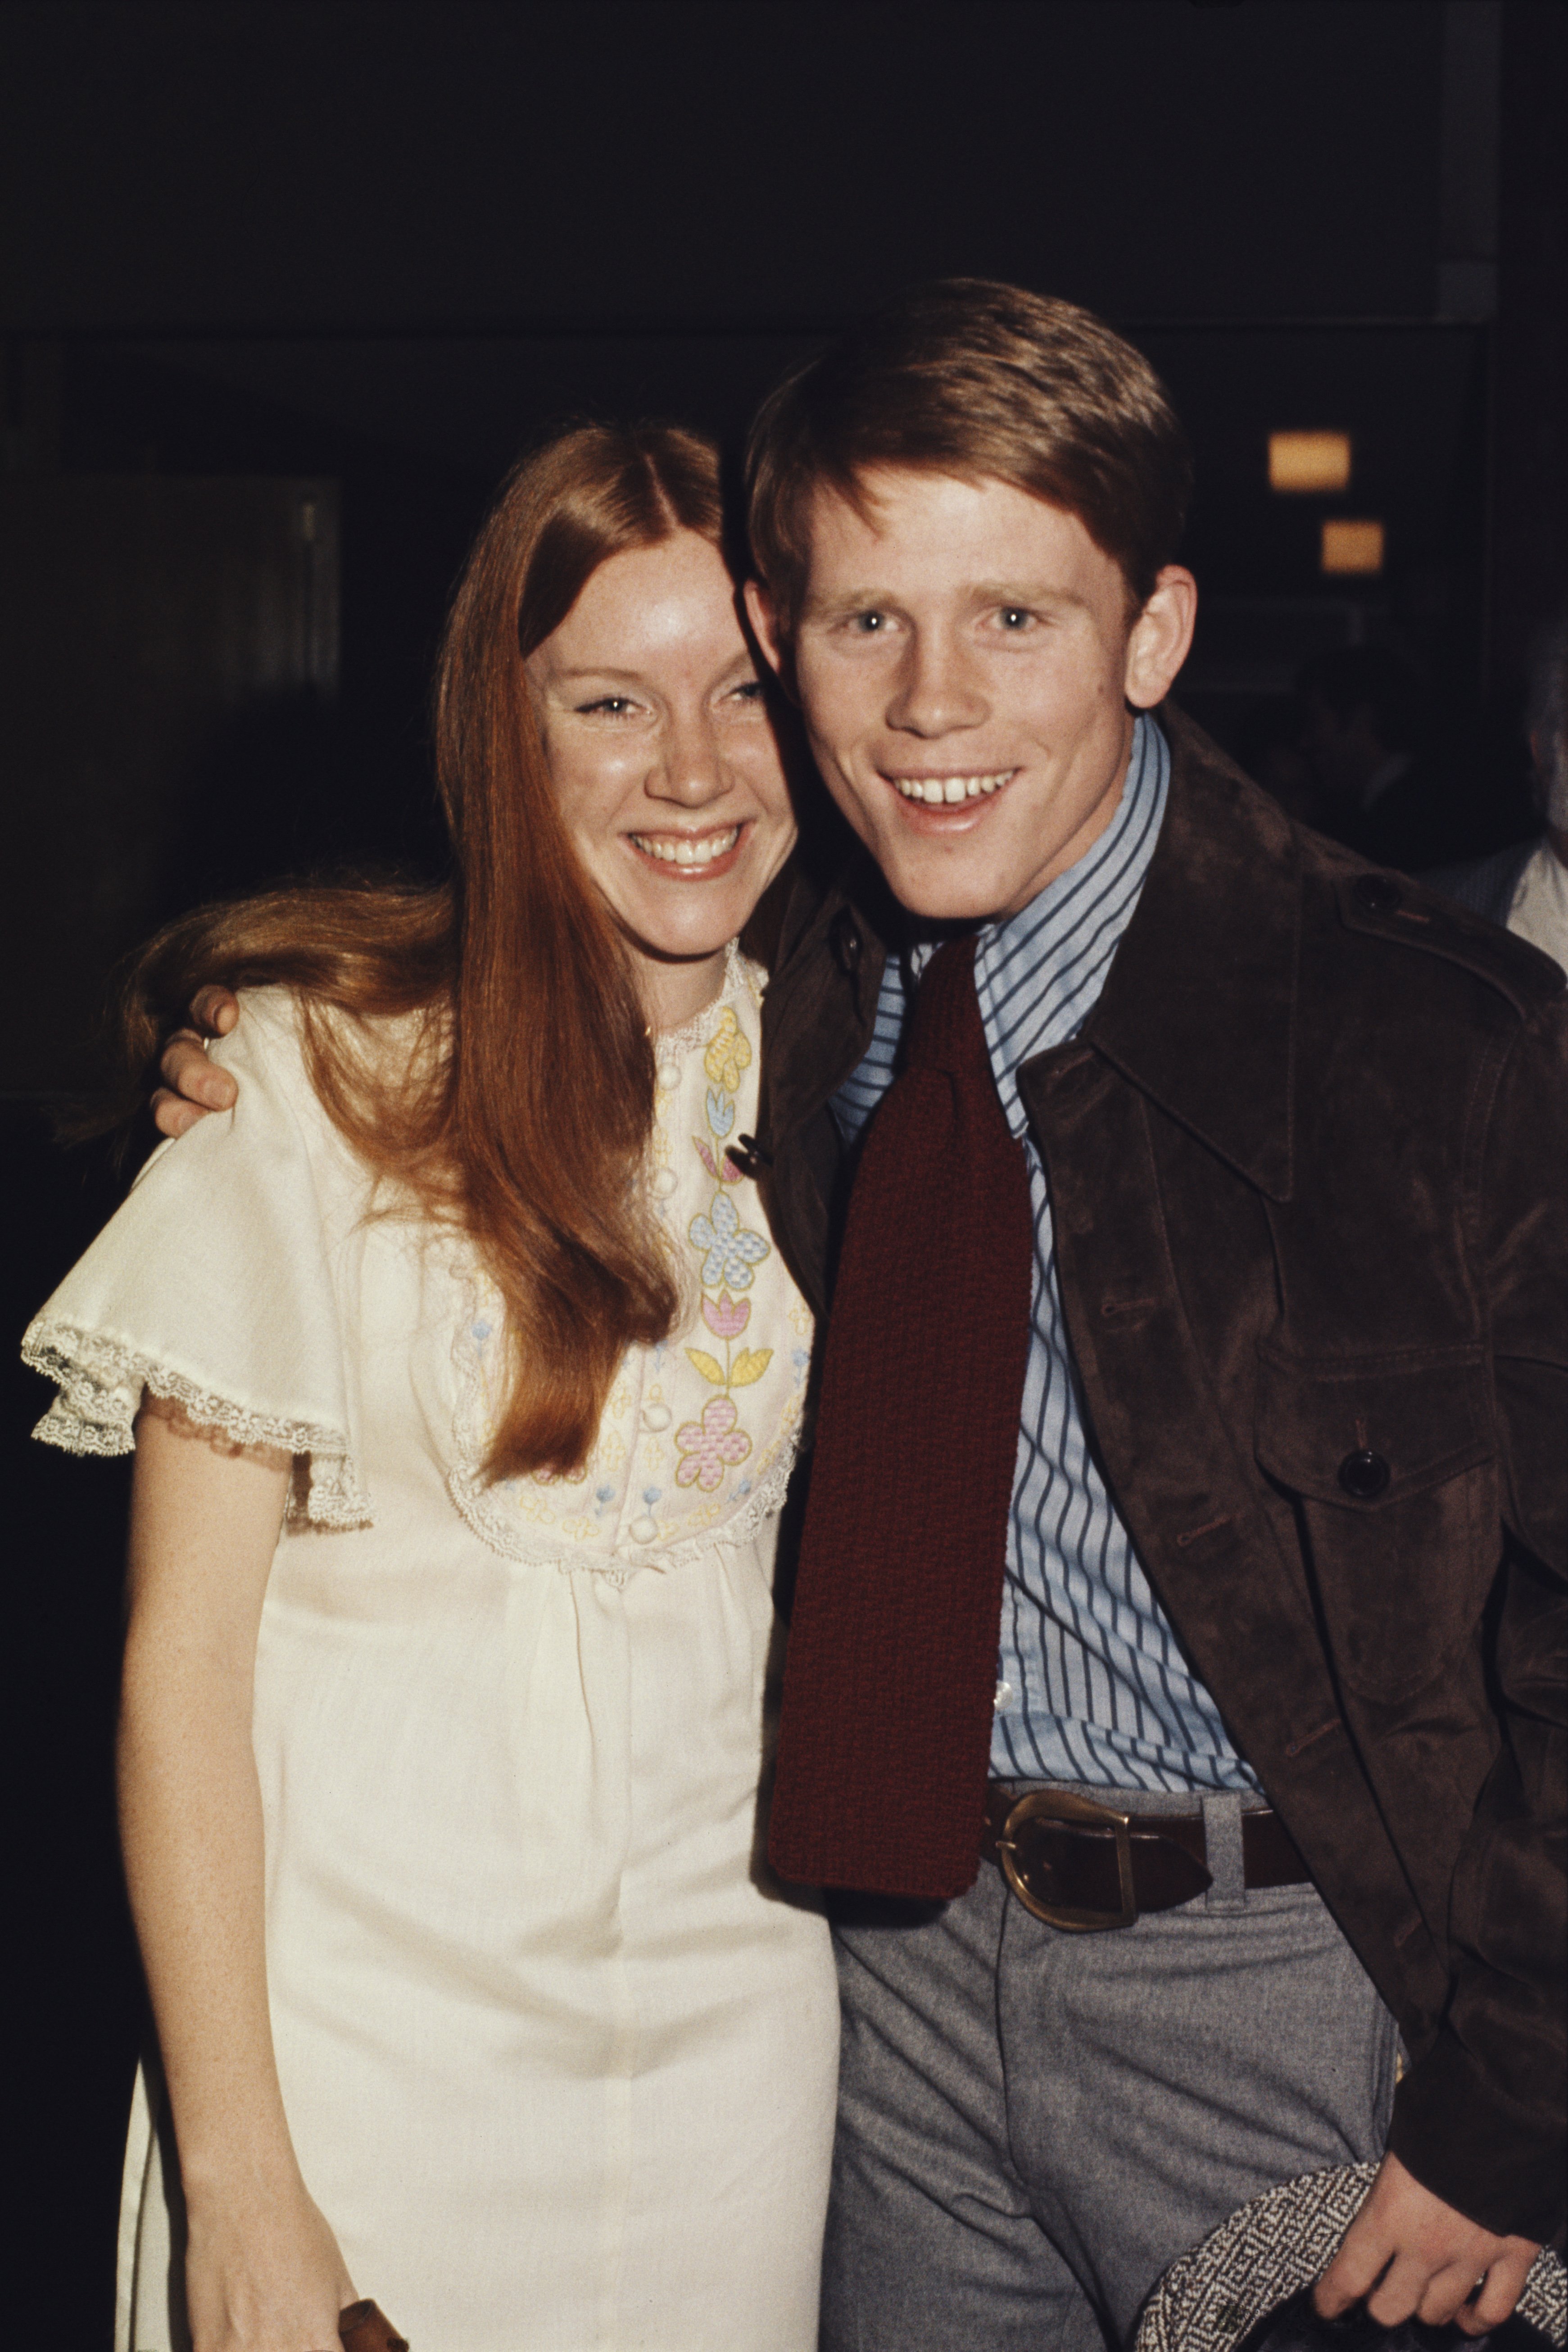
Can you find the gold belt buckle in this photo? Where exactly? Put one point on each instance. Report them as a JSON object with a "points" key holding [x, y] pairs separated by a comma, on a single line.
{"points": [[1062, 1805]]}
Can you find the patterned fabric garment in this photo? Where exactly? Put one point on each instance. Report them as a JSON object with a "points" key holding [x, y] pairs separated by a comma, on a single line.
{"points": [[1091, 1682], [695, 1438]]}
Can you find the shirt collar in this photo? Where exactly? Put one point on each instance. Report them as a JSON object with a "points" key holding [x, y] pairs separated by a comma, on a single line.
{"points": [[1038, 974]]}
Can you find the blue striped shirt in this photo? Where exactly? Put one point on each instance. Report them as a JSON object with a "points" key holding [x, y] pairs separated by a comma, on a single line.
{"points": [[1091, 1684]]}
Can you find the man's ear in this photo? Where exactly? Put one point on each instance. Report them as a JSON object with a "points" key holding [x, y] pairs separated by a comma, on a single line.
{"points": [[1160, 637], [761, 611]]}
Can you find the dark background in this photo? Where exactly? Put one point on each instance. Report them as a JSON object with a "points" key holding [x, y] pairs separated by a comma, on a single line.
{"points": [[284, 287]]}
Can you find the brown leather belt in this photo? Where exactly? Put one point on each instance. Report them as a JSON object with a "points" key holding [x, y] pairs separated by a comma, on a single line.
{"points": [[1080, 1864]]}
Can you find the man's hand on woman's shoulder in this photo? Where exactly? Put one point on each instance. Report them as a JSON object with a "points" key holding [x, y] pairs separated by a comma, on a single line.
{"points": [[192, 1084]]}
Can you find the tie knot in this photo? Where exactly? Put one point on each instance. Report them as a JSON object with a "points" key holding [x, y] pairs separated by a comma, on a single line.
{"points": [[947, 1032]]}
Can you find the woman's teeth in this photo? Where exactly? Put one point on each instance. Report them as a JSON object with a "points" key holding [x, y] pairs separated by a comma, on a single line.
{"points": [[679, 850], [949, 790]]}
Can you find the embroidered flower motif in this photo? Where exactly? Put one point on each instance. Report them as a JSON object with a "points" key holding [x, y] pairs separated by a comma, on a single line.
{"points": [[723, 1171], [729, 1053], [732, 1250], [708, 1445], [720, 1109], [726, 1318]]}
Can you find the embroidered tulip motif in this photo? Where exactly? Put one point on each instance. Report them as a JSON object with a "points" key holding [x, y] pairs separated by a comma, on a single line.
{"points": [[707, 1446], [725, 1316]]}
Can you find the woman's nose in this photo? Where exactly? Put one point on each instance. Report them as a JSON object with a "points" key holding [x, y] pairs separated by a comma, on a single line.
{"points": [[690, 771]]}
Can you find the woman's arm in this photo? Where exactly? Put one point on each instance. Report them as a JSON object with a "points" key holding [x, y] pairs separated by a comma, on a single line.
{"points": [[263, 2273]]}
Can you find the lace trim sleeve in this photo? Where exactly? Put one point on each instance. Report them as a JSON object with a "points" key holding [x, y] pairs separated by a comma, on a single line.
{"points": [[101, 1385]]}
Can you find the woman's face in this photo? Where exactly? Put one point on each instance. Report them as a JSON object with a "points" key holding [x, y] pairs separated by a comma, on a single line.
{"points": [[661, 749]]}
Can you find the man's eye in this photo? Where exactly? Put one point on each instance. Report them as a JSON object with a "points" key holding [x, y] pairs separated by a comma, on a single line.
{"points": [[1014, 617], [869, 624]]}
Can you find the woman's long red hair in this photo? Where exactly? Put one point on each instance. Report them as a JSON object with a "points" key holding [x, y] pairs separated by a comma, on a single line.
{"points": [[522, 1111]]}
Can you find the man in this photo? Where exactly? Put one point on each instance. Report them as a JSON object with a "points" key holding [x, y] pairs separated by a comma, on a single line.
{"points": [[1363, 720], [1279, 1571], [1525, 887], [1182, 1562]]}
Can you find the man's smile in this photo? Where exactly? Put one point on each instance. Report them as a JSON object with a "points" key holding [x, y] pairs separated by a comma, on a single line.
{"points": [[948, 791]]}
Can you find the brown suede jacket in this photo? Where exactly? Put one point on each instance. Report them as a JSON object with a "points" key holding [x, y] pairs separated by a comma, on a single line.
{"points": [[1307, 1164]]}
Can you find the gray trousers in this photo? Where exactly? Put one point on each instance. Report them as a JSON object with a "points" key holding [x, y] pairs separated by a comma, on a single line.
{"points": [[1032, 2125]]}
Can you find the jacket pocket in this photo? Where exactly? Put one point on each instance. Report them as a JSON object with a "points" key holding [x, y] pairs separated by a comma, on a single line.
{"points": [[1392, 1463]]}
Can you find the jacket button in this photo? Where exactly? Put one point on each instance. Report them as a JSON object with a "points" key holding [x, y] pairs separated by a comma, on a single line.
{"points": [[1363, 1476], [845, 940], [1377, 893]]}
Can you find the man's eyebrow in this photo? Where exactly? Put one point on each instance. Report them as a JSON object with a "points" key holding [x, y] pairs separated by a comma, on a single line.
{"points": [[1018, 592], [853, 600], [982, 593]]}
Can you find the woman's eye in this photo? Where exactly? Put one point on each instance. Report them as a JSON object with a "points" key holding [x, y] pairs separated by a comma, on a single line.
{"points": [[611, 704], [749, 690]]}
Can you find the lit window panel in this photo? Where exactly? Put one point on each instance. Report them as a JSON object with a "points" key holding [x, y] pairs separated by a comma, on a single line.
{"points": [[1352, 547], [1309, 461]]}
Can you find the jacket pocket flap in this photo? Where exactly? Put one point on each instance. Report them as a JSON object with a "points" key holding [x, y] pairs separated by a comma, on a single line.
{"points": [[1363, 1432]]}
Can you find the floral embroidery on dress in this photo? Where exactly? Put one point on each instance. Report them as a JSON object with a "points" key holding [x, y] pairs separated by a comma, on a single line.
{"points": [[729, 1052], [729, 1250], [732, 1249], [708, 1445], [699, 1430]]}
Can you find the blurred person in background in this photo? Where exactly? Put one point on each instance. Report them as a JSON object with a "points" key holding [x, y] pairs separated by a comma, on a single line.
{"points": [[1362, 736], [1525, 886]]}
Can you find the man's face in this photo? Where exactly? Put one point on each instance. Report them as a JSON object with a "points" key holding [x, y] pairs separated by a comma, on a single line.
{"points": [[965, 665]]}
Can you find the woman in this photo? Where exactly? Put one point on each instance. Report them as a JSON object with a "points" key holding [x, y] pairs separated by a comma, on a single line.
{"points": [[465, 1383]]}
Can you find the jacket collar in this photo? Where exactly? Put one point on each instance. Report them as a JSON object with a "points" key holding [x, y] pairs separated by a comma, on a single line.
{"points": [[1199, 1008]]}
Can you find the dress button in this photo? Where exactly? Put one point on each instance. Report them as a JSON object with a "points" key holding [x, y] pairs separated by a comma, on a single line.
{"points": [[664, 1182], [845, 938], [644, 1531], [1378, 893], [1363, 1476], [656, 1417], [668, 1077]]}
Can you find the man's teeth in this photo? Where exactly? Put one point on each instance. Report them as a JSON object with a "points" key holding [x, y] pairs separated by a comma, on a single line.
{"points": [[682, 851], [933, 789]]}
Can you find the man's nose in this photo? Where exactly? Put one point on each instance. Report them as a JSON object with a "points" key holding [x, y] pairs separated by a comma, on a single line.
{"points": [[937, 690], [690, 770]]}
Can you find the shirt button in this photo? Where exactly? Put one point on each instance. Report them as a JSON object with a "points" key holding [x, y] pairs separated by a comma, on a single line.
{"points": [[1004, 1699], [1378, 893], [664, 1182], [845, 941], [1364, 1476]]}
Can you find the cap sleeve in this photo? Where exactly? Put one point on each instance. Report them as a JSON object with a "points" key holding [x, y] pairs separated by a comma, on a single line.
{"points": [[228, 1282]]}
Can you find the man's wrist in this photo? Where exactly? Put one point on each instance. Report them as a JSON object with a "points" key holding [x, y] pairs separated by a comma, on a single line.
{"points": [[1465, 2139]]}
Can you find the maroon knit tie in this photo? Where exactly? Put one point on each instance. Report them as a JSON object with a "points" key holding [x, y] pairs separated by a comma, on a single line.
{"points": [[891, 1672]]}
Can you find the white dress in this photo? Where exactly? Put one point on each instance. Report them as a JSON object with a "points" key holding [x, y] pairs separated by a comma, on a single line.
{"points": [[557, 2056]]}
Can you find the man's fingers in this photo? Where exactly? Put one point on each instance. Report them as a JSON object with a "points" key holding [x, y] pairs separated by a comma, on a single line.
{"points": [[1500, 2289], [215, 1010], [186, 1071], [171, 1115], [1353, 2272]]}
